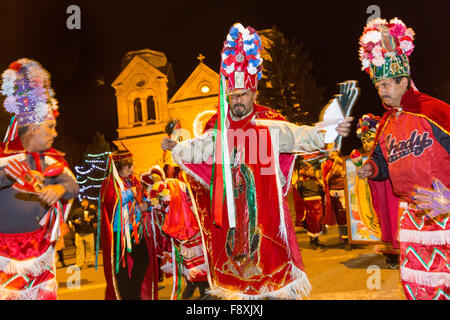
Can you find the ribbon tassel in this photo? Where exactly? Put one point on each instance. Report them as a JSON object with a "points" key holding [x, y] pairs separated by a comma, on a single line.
{"points": [[222, 183]]}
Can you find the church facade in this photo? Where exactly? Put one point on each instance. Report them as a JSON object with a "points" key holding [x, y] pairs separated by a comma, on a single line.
{"points": [[147, 101], [144, 107]]}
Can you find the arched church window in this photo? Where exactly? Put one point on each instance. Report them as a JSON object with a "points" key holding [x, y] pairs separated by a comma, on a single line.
{"points": [[151, 110], [137, 110]]}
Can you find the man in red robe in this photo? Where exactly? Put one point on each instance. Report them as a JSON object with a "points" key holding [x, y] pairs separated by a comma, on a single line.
{"points": [[253, 250], [412, 149]]}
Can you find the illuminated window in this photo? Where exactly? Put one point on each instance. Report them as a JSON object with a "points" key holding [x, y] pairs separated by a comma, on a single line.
{"points": [[204, 88]]}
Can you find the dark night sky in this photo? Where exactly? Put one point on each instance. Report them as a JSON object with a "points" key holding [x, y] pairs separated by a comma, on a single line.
{"points": [[329, 31]]}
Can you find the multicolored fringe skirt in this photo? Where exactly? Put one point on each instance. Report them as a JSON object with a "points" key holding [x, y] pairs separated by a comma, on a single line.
{"points": [[27, 267], [424, 255]]}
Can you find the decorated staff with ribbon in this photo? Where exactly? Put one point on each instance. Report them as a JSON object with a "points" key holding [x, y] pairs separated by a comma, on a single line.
{"points": [[36, 185], [412, 150], [129, 260], [246, 159]]}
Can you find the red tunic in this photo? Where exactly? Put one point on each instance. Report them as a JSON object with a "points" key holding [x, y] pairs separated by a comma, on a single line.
{"points": [[253, 261]]}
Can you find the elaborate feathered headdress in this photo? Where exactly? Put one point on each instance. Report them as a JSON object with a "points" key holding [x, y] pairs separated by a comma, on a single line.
{"points": [[385, 48], [29, 96], [121, 154], [241, 60], [26, 85]]}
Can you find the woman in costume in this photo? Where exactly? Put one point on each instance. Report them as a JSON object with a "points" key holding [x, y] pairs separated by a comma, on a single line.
{"points": [[127, 243]]}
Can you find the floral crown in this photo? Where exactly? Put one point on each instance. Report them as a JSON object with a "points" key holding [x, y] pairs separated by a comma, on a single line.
{"points": [[241, 60], [367, 125], [26, 85], [385, 48]]}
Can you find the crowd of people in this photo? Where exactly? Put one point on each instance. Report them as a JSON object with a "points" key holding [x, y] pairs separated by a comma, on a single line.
{"points": [[319, 199], [218, 218]]}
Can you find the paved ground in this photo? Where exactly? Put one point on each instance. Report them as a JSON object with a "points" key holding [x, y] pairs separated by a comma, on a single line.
{"points": [[334, 273]]}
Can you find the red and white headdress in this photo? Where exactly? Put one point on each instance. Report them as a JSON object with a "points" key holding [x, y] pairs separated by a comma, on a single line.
{"points": [[241, 60]]}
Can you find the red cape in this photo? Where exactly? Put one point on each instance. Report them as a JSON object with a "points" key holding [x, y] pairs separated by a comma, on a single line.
{"points": [[180, 222], [261, 224]]}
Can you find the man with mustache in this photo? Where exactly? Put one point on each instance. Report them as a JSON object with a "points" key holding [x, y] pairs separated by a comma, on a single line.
{"points": [[253, 249], [412, 149], [33, 203]]}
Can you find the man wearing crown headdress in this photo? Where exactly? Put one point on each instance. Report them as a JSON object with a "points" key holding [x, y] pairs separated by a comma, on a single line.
{"points": [[412, 149], [246, 159], [36, 185], [129, 260]]}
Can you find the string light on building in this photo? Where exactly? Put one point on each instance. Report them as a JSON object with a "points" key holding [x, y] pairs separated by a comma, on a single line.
{"points": [[90, 175]]}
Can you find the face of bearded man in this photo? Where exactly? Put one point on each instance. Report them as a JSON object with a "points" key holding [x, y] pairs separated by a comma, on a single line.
{"points": [[241, 104]]}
